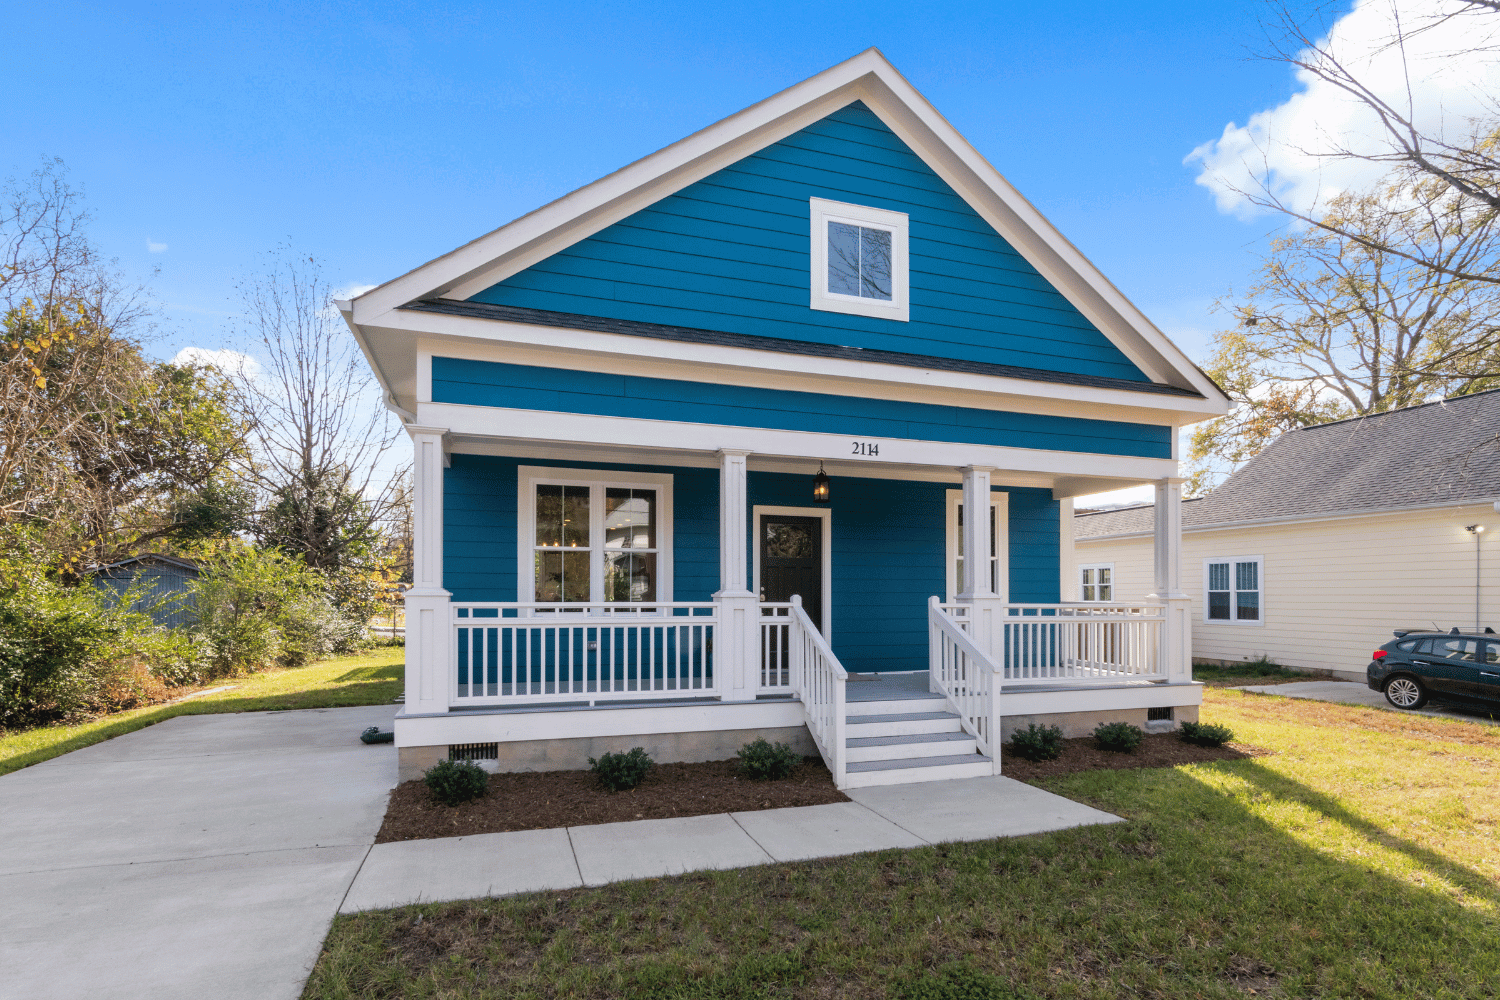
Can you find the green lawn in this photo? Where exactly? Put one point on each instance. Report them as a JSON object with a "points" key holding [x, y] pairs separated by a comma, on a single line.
{"points": [[1360, 860], [371, 679]]}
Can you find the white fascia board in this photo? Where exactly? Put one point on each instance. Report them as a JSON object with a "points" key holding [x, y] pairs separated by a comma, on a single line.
{"points": [[867, 77], [481, 339], [586, 428], [1019, 701], [515, 724], [387, 393]]}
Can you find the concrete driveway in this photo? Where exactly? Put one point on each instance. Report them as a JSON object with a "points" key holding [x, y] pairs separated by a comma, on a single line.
{"points": [[1347, 693], [201, 857]]}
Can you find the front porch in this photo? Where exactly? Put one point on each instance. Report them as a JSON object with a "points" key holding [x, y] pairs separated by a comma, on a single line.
{"points": [[826, 629]]}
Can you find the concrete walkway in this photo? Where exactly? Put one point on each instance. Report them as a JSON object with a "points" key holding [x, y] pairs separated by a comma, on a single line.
{"points": [[200, 857], [1346, 693], [879, 818], [205, 856]]}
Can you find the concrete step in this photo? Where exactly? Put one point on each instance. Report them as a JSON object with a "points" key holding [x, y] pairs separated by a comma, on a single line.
{"points": [[896, 706], [903, 724], [914, 769], [919, 745]]}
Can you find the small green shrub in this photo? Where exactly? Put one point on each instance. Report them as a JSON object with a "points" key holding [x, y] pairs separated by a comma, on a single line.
{"points": [[455, 781], [958, 982], [1120, 737], [1205, 734], [620, 772], [1037, 742], [763, 761]]}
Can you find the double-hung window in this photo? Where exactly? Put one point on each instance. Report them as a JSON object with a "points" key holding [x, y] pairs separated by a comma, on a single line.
{"points": [[605, 541], [859, 260], [998, 563], [1232, 587], [1096, 583]]}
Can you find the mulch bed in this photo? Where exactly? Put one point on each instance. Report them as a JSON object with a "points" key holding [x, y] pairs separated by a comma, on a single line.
{"points": [[542, 800], [1156, 750]]}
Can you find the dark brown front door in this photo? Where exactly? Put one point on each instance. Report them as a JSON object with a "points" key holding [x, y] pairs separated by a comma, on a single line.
{"points": [[791, 561]]}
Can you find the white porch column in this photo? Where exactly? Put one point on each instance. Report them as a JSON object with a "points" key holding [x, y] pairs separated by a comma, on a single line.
{"points": [[737, 644], [985, 611], [1177, 632], [429, 656]]}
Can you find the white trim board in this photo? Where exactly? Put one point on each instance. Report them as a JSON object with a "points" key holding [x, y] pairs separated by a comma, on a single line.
{"points": [[1272, 522], [867, 77], [469, 338], [582, 428], [823, 513]]}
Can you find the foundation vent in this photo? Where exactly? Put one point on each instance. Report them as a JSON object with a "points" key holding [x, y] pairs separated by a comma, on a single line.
{"points": [[1159, 714], [474, 751]]}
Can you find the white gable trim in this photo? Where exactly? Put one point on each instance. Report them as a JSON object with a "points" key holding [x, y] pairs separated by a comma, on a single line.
{"points": [[867, 77]]}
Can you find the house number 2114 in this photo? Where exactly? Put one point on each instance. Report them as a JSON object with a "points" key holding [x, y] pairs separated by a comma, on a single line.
{"points": [[870, 449]]}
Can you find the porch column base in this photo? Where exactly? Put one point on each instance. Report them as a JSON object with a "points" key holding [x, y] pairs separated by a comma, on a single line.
{"points": [[1176, 636], [737, 646], [987, 624], [429, 650]]}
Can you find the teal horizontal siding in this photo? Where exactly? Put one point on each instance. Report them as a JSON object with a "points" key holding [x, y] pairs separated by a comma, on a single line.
{"points": [[889, 549], [525, 387], [731, 253]]}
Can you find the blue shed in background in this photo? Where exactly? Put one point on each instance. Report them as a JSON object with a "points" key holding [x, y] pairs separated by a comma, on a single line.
{"points": [[161, 584]]}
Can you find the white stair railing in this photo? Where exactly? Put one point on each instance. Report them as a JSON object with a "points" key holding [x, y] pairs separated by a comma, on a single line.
{"points": [[819, 679], [970, 680]]}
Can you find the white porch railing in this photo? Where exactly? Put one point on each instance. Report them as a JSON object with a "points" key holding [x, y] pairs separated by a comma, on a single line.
{"points": [[960, 670], [516, 654], [819, 680], [776, 648], [1076, 642]]}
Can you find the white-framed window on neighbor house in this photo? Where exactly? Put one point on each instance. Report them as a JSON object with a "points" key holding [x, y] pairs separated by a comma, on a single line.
{"points": [[1096, 583], [588, 537], [1233, 587], [859, 260], [999, 558]]}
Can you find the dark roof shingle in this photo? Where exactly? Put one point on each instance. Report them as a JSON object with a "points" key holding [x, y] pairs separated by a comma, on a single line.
{"points": [[1436, 453]]}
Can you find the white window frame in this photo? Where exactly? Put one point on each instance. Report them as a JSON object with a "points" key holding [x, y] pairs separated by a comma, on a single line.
{"points": [[1000, 503], [1234, 592], [1113, 585], [529, 477], [825, 515], [822, 212]]}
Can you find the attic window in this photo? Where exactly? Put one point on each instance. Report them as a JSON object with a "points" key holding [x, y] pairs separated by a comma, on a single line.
{"points": [[859, 260]]}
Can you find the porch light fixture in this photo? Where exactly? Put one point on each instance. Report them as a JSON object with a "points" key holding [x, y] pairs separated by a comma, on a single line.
{"points": [[820, 485]]}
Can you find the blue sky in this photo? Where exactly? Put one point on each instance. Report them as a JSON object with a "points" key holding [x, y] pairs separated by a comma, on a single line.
{"points": [[376, 137]]}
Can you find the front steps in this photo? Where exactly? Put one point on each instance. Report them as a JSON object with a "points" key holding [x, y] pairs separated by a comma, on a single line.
{"points": [[907, 739]]}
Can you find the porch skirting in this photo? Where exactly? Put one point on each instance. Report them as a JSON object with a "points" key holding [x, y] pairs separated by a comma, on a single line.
{"points": [[564, 738]]}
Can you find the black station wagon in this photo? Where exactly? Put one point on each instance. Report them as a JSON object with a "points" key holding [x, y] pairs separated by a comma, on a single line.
{"points": [[1458, 667]]}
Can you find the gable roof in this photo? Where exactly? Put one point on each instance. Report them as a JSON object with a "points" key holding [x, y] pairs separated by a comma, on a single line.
{"points": [[130, 563], [867, 78], [1440, 453]]}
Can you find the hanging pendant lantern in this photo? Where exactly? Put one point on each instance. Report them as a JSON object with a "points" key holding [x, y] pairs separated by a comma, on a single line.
{"points": [[820, 485]]}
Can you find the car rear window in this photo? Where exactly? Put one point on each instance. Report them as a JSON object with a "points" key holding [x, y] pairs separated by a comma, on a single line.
{"points": [[1407, 646]]}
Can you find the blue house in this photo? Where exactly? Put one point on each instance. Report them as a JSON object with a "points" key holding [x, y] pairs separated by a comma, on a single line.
{"points": [[697, 447]]}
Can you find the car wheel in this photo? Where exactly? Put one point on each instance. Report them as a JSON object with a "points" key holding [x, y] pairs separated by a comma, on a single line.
{"points": [[1405, 692]]}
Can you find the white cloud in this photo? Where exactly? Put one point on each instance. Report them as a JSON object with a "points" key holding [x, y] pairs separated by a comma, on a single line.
{"points": [[154, 247], [352, 291], [224, 359], [1449, 84], [1116, 498]]}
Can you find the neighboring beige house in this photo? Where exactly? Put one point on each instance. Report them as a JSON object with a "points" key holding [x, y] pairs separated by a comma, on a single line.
{"points": [[1333, 536]]}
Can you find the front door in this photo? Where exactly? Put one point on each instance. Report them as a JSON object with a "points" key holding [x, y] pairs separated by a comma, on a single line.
{"points": [[791, 561]]}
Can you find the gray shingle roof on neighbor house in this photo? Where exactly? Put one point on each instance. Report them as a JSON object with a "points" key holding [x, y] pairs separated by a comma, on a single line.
{"points": [[1436, 453]]}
